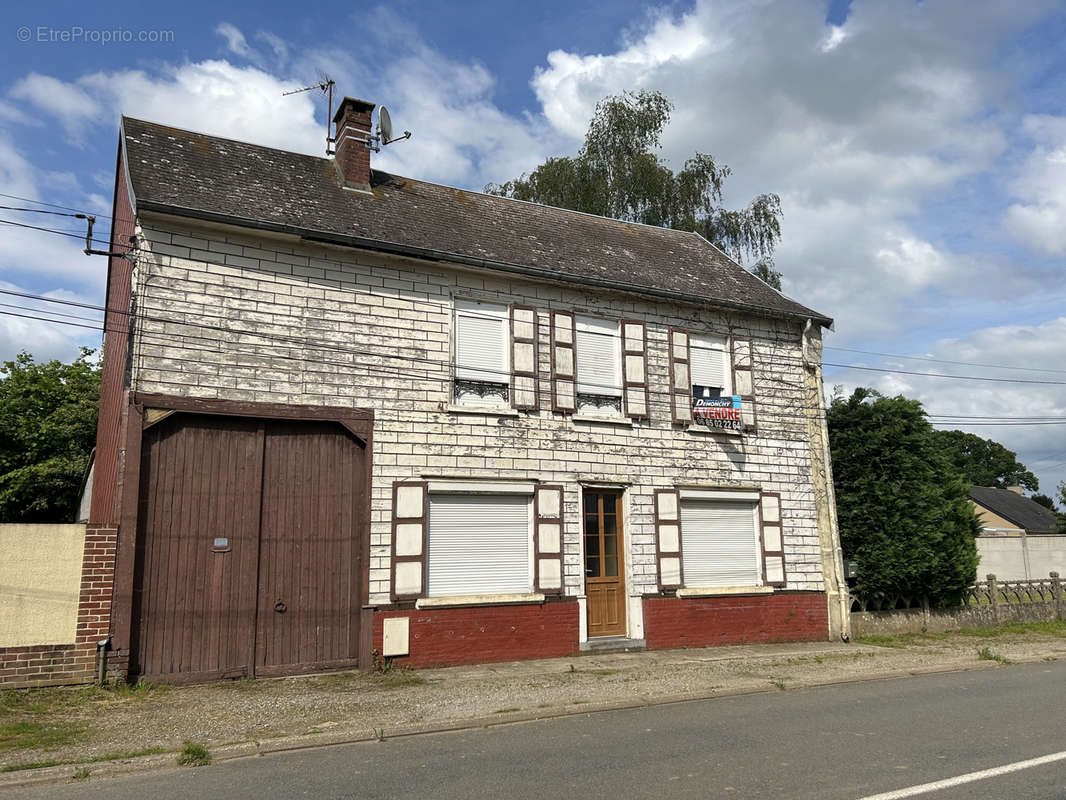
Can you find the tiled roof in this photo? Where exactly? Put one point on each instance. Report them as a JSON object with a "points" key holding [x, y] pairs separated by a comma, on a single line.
{"points": [[179, 171], [1022, 511]]}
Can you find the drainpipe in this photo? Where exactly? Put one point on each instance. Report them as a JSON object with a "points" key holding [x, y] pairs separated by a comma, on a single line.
{"points": [[102, 647]]}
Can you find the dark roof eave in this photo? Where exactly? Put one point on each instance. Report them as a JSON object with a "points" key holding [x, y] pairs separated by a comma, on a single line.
{"points": [[395, 248]]}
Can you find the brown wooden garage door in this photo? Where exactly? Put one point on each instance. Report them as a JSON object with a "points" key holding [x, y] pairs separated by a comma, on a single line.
{"points": [[248, 549]]}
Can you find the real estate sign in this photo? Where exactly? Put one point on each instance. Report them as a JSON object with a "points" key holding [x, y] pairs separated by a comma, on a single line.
{"points": [[715, 412]]}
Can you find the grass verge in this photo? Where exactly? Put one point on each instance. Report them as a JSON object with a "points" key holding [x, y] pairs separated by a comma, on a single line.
{"points": [[63, 698], [150, 751], [1053, 628], [29, 735]]}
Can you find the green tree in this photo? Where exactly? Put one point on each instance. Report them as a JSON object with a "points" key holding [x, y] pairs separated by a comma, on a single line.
{"points": [[902, 508], [617, 173], [1044, 500], [984, 462], [47, 430]]}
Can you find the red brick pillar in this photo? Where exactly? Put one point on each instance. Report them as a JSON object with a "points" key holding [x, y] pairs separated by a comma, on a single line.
{"points": [[94, 605]]}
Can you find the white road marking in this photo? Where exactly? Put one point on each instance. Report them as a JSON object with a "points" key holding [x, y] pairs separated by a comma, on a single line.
{"points": [[969, 777]]}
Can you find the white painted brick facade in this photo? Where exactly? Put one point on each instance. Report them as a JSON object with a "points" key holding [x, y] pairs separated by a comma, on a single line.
{"points": [[333, 326]]}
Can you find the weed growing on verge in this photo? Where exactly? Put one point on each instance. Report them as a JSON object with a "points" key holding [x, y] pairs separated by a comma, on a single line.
{"points": [[986, 654], [81, 774], [194, 754]]}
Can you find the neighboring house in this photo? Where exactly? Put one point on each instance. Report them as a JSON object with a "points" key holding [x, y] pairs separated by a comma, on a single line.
{"points": [[1008, 512], [1020, 539], [348, 415]]}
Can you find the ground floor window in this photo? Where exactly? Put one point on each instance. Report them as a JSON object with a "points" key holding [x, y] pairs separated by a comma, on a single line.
{"points": [[479, 544], [720, 542]]}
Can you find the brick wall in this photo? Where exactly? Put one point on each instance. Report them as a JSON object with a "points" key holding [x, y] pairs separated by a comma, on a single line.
{"points": [[443, 636], [39, 665], [708, 621]]}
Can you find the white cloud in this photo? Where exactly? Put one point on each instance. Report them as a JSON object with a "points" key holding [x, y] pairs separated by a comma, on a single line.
{"points": [[857, 127], [1037, 346], [833, 38], [21, 326], [213, 97], [235, 41], [1038, 218], [70, 103]]}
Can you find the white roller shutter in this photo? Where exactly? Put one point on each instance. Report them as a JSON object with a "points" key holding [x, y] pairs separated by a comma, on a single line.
{"points": [[481, 342], [719, 543], [479, 544], [708, 358], [599, 357]]}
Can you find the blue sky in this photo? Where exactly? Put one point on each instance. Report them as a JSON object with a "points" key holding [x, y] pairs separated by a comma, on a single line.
{"points": [[919, 148]]}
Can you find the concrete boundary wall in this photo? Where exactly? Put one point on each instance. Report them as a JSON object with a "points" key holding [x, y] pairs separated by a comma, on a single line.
{"points": [[1022, 558], [40, 580], [988, 603]]}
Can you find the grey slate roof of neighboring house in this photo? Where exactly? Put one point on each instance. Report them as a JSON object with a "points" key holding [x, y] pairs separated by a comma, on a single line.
{"points": [[1022, 511], [180, 172]]}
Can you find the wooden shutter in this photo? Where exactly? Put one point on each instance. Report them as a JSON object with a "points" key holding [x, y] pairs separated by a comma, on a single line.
{"points": [[548, 539], [744, 381], [720, 542], [478, 544], [668, 538], [410, 511], [523, 357], [773, 547], [564, 397], [635, 368], [680, 379]]}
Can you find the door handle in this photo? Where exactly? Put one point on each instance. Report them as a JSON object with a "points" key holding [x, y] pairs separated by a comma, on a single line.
{"points": [[280, 607]]}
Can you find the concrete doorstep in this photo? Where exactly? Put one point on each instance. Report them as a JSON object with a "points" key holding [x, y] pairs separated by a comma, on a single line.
{"points": [[642, 682]]}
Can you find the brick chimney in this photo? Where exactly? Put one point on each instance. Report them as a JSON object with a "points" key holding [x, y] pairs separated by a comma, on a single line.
{"points": [[353, 146], [1015, 489]]}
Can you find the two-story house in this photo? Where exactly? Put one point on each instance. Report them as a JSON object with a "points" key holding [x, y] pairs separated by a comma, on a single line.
{"points": [[347, 414]]}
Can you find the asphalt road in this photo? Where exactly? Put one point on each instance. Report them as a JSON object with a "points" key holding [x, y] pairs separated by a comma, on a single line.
{"points": [[850, 741]]}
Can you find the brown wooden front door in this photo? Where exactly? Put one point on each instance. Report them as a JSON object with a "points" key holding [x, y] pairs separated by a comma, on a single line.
{"points": [[248, 551], [604, 565]]}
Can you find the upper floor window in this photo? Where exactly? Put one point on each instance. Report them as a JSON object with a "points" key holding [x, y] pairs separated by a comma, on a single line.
{"points": [[599, 366], [481, 352], [709, 368]]}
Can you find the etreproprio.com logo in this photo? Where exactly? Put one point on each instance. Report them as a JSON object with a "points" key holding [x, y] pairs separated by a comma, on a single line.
{"points": [[76, 34]]}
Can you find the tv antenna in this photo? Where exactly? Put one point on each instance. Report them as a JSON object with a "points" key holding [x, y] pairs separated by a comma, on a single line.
{"points": [[326, 85]]}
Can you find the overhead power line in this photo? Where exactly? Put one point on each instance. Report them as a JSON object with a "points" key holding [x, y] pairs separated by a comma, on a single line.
{"points": [[52, 205], [403, 369], [944, 361], [944, 375]]}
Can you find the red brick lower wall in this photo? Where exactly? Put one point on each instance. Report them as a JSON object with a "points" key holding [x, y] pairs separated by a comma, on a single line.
{"points": [[479, 634], [38, 665], [51, 664], [707, 621]]}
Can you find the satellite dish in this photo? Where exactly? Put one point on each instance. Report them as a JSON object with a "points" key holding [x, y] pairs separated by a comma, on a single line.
{"points": [[384, 125]]}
